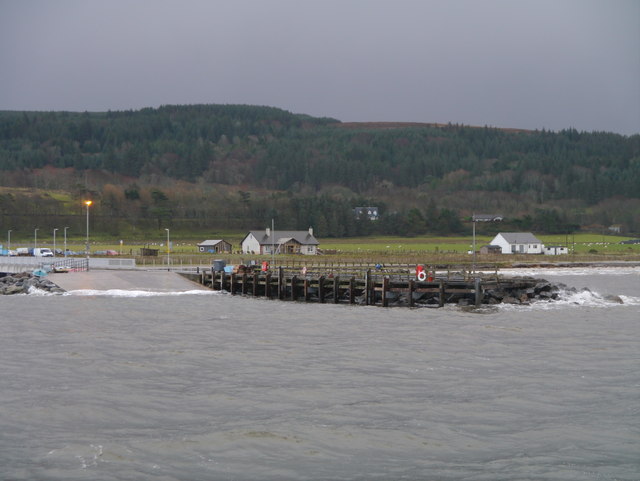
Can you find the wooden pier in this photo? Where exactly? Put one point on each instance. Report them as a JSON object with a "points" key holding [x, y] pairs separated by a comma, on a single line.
{"points": [[372, 288]]}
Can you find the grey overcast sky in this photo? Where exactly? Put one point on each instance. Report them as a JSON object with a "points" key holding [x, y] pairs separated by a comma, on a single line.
{"points": [[531, 64]]}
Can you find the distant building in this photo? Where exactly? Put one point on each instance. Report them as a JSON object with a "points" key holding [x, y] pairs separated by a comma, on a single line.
{"points": [[370, 213], [518, 243], [555, 250], [280, 242], [216, 246], [490, 249], [487, 218]]}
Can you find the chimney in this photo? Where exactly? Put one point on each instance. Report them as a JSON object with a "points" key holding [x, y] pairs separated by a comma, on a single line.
{"points": [[310, 230], [268, 232]]}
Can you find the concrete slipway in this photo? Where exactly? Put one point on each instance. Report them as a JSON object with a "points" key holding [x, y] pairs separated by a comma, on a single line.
{"points": [[128, 280]]}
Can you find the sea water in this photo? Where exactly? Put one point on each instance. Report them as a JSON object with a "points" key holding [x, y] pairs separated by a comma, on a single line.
{"points": [[207, 386]]}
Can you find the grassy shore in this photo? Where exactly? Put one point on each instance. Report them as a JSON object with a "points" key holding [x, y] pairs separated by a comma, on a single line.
{"points": [[371, 250]]}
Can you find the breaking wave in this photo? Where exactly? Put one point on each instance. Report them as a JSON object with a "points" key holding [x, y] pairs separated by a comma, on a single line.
{"points": [[572, 271], [579, 298]]}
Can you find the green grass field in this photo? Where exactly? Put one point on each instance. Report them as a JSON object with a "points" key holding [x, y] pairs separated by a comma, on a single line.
{"points": [[366, 248]]}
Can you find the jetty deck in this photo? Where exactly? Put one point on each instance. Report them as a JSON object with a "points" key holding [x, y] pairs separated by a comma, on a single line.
{"points": [[132, 280], [375, 288]]}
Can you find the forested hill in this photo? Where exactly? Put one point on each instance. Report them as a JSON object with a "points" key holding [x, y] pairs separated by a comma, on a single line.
{"points": [[269, 148]]}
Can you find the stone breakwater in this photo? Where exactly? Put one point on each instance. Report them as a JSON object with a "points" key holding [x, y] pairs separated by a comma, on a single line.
{"points": [[24, 282]]}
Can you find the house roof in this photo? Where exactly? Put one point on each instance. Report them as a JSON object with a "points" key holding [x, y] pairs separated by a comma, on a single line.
{"points": [[302, 236], [520, 238], [211, 242]]}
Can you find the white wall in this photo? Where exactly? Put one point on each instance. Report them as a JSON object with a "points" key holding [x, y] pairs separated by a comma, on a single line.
{"points": [[250, 245]]}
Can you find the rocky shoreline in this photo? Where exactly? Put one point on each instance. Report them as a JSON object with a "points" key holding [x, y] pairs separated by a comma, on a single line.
{"points": [[23, 282]]}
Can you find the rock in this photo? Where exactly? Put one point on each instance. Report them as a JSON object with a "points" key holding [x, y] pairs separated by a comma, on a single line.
{"points": [[22, 282], [612, 298], [510, 300], [12, 289], [542, 286]]}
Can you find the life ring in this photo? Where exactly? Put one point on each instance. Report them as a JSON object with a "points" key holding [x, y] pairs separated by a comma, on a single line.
{"points": [[422, 276], [265, 266]]}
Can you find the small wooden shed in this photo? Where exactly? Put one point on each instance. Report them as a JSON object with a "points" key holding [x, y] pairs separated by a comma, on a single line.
{"points": [[215, 246], [490, 249]]}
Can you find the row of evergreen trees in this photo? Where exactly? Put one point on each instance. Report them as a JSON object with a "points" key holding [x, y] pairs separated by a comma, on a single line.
{"points": [[281, 165], [269, 147]]}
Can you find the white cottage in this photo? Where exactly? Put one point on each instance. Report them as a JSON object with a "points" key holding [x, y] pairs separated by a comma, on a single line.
{"points": [[280, 242], [518, 243]]}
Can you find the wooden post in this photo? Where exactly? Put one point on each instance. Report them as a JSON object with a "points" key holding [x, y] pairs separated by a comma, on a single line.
{"points": [[441, 293], [385, 288], [352, 290], [321, 289], [305, 285], [336, 289], [367, 287], [232, 287], [412, 287], [244, 283], [222, 280], [294, 281], [478, 289], [281, 284], [267, 285], [255, 284]]}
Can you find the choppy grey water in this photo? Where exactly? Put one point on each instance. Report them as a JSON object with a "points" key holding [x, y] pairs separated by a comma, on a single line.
{"points": [[102, 385]]}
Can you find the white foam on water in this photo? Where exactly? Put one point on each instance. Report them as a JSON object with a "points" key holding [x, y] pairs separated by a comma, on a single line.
{"points": [[582, 298], [133, 293], [570, 271], [34, 291]]}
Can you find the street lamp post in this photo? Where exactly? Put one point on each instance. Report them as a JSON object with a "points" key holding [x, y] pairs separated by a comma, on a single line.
{"points": [[168, 248], [65, 241], [54, 241], [473, 219], [35, 238], [87, 203]]}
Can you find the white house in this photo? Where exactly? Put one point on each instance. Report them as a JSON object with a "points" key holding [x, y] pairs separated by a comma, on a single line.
{"points": [[518, 243], [280, 242], [555, 250]]}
